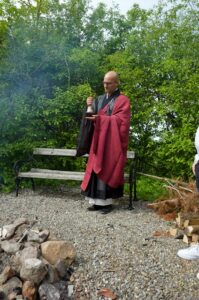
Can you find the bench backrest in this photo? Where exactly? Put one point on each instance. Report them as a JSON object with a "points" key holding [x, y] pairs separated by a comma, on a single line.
{"points": [[67, 152]]}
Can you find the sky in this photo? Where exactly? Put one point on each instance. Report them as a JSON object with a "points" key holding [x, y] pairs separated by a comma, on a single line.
{"points": [[125, 5]]}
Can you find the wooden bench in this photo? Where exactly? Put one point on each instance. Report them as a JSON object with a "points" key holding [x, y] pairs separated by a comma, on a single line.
{"points": [[130, 177]]}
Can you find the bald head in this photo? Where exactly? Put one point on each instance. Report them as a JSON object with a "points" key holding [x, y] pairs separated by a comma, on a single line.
{"points": [[111, 82], [113, 76]]}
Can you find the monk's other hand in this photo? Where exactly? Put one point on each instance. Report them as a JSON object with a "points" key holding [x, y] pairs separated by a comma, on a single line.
{"points": [[92, 118]]}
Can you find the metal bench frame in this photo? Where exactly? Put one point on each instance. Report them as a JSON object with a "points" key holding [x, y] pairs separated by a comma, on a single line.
{"points": [[68, 175]]}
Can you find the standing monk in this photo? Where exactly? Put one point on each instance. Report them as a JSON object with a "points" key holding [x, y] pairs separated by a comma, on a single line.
{"points": [[104, 176]]}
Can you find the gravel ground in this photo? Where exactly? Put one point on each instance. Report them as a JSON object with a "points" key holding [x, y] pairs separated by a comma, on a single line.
{"points": [[116, 251]]}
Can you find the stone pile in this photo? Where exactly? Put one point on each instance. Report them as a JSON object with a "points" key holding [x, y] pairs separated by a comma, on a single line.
{"points": [[39, 265]]}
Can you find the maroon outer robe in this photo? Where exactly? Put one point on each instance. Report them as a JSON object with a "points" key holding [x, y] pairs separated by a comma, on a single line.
{"points": [[107, 155]]}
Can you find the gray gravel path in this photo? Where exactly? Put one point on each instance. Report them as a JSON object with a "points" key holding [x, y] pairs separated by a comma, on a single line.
{"points": [[116, 251]]}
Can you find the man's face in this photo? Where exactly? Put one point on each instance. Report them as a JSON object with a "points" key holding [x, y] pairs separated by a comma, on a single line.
{"points": [[110, 84]]}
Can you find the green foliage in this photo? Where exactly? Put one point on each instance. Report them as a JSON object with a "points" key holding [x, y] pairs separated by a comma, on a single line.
{"points": [[53, 56]]}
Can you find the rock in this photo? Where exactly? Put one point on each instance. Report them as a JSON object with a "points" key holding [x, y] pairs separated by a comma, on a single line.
{"points": [[53, 251], [62, 287], [16, 261], [21, 256], [20, 221], [70, 290], [43, 235], [29, 290], [29, 252], [12, 296], [17, 290], [7, 273], [9, 230], [10, 247], [20, 231], [33, 270], [63, 270], [52, 275], [48, 291], [52, 237], [11, 285], [3, 296], [57, 291], [32, 244], [35, 236]]}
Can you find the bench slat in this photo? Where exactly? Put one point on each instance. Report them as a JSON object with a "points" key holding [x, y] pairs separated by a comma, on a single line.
{"points": [[67, 152], [51, 175], [56, 171], [56, 174], [57, 152]]}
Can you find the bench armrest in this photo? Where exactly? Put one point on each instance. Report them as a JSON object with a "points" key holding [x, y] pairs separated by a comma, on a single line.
{"points": [[20, 163]]}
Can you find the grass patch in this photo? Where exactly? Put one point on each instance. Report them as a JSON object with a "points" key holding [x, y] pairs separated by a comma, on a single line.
{"points": [[149, 189]]}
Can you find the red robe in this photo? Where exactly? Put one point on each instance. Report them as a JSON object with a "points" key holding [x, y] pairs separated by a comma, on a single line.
{"points": [[107, 155]]}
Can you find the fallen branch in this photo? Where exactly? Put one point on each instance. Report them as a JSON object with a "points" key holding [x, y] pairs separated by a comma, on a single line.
{"points": [[163, 178], [26, 232], [171, 187]]}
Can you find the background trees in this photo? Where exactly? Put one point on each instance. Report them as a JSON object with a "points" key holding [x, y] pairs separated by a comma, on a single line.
{"points": [[52, 55]]}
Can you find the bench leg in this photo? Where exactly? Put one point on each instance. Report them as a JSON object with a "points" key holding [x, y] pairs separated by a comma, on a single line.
{"points": [[134, 180], [33, 184], [131, 185], [134, 187], [17, 182], [130, 195]]}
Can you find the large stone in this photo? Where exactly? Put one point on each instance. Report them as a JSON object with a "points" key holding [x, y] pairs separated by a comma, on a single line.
{"points": [[7, 273], [29, 290], [21, 256], [11, 285], [53, 251], [33, 270], [10, 247]]}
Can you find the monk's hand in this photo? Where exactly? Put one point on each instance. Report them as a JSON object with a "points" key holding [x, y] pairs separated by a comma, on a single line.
{"points": [[89, 101], [91, 118]]}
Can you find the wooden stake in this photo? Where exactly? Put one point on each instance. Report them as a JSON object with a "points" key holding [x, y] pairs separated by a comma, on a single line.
{"points": [[173, 231], [186, 239], [195, 238], [191, 229]]}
